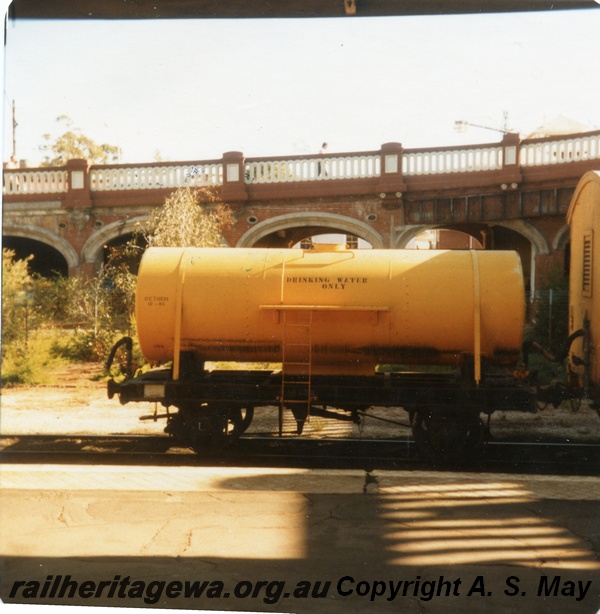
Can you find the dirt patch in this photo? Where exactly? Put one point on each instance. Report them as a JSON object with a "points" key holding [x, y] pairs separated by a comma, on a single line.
{"points": [[78, 404]]}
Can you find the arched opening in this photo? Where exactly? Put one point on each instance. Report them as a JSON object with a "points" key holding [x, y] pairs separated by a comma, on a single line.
{"points": [[303, 237], [350, 241], [477, 236], [126, 249], [287, 231], [47, 261], [116, 235], [443, 238]]}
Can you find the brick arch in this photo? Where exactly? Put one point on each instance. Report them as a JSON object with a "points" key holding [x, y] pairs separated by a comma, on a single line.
{"points": [[561, 238], [339, 223], [538, 241], [92, 250], [531, 233], [405, 234], [44, 236]]}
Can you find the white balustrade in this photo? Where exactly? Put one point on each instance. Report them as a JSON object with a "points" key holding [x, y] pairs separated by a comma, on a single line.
{"points": [[451, 161], [561, 151], [34, 182], [537, 152], [312, 169], [155, 177]]}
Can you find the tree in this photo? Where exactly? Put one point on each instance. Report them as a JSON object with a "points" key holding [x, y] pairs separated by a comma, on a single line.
{"points": [[190, 217], [23, 360], [17, 289], [73, 144]]}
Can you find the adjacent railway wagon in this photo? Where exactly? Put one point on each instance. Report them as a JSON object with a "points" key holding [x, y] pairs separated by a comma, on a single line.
{"points": [[584, 287], [438, 333]]}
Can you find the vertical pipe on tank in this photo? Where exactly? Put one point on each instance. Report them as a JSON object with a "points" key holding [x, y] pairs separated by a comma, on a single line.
{"points": [[476, 317], [178, 314]]}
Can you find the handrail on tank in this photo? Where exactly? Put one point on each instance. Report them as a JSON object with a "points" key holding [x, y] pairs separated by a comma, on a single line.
{"points": [[325, 307]]}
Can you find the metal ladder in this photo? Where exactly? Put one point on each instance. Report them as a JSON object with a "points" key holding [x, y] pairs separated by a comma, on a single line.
{"points": [[296, 364]]}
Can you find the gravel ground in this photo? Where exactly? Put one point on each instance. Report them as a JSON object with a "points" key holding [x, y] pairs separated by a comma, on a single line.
{"points": [[78, 404]]}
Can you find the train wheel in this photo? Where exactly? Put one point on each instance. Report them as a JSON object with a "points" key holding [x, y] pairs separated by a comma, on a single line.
{"points": [[447, 437], [212, 429]]}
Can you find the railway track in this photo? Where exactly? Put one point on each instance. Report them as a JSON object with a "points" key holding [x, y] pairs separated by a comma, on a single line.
{"points": [[390, 454]]}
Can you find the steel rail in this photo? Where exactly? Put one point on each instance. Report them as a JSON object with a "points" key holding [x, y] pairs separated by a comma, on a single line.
{"points": [[385, 454]]}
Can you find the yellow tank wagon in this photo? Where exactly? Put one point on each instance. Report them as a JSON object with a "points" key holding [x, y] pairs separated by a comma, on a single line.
{"points": [[330, 317], [340, 311]]}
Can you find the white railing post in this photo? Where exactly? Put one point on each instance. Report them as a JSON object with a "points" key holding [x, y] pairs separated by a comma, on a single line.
{"points": [[234, 184], [510, 149], [78, 194], [391, 180]]}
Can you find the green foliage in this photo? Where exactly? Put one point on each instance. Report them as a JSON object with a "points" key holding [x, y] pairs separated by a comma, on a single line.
{"points": [[28, 351], [546, 372], [31, 365], [190, 217], [89, 346], [73, 144], [86, 315], [25, 299], [99, 309], [551, 312], [17, 297], [550, 326]]}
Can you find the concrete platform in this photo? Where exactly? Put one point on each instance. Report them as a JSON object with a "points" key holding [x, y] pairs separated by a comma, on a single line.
{"points": [[286, 540]]}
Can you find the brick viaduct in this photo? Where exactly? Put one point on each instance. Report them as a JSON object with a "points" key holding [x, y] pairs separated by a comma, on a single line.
{"points": [[513, 194]]}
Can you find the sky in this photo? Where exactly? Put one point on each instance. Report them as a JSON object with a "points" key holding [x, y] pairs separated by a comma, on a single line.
{"points": [[188, 90]]}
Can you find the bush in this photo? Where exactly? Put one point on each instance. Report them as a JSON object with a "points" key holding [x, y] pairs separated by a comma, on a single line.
{"points": [[550, 326], [551, 314], [31, 364], [190, 217], [17, 299], [45, 321], [89, 345]]}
